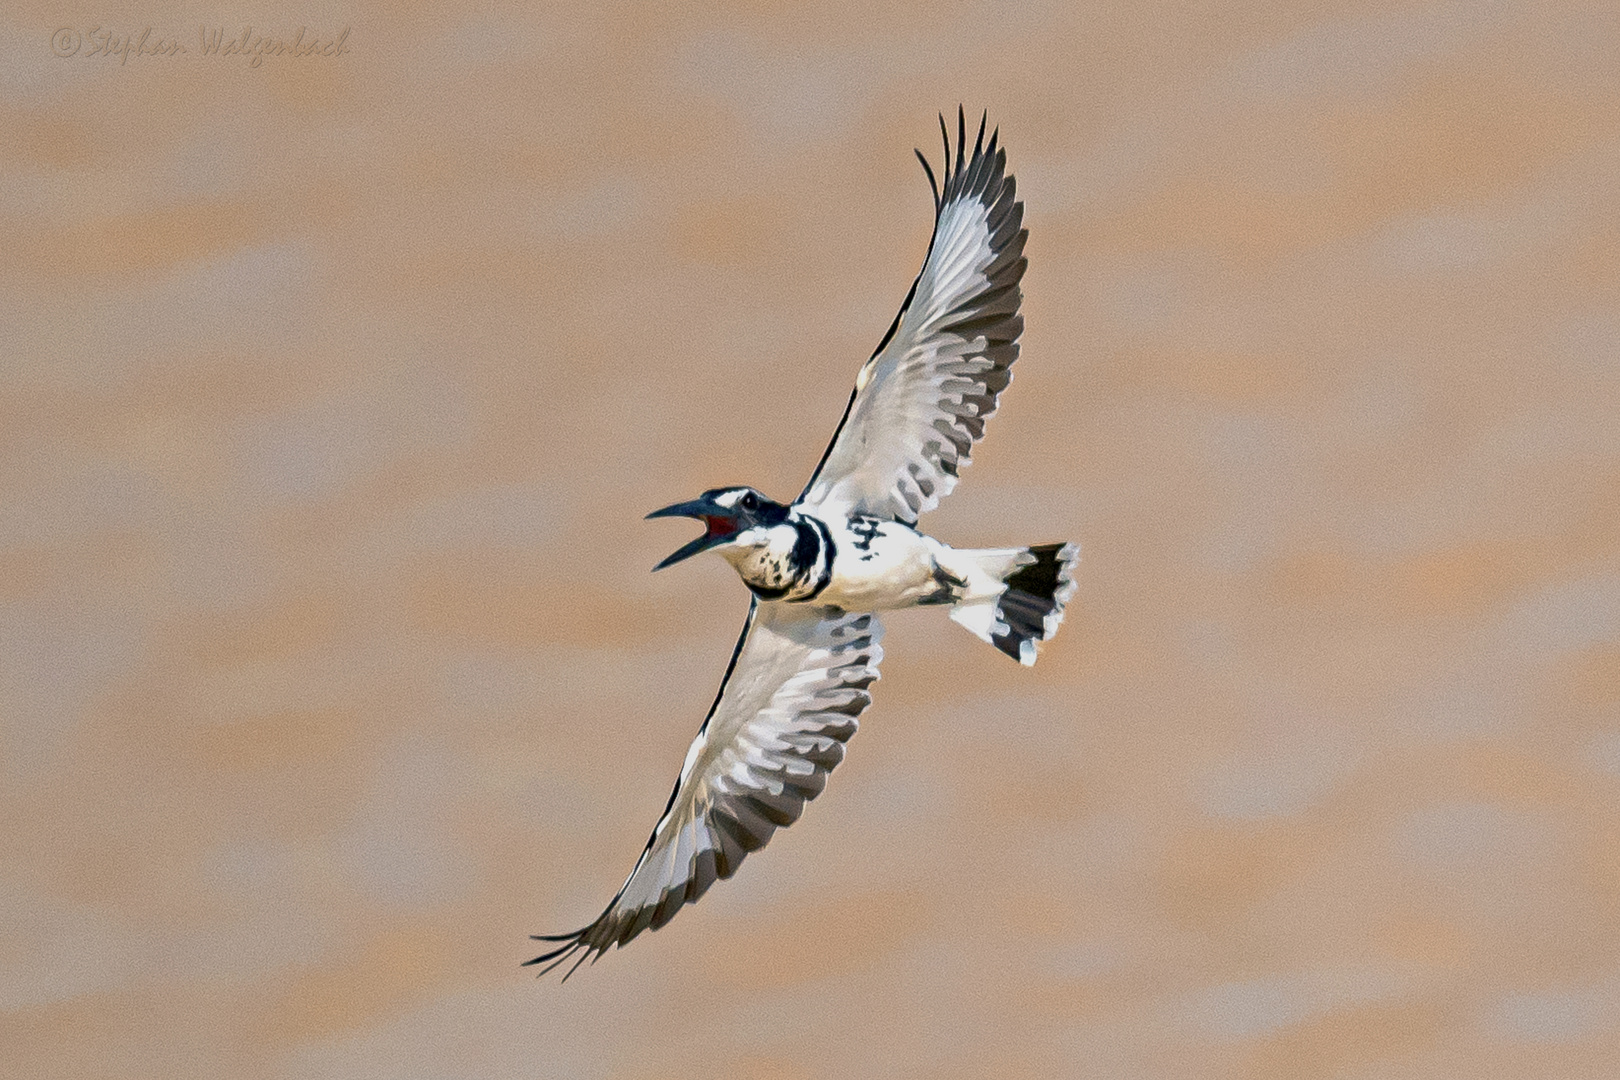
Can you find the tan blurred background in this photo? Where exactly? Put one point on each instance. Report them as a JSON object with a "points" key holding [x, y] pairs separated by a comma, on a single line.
{"points": [[334, 391]]}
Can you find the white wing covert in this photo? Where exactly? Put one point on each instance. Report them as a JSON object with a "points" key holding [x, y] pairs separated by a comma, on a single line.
{"points": [[922, 400], [789, 701]]}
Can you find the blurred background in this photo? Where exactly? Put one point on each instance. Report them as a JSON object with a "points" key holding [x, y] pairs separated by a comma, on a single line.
{"points": [[333, 391]]}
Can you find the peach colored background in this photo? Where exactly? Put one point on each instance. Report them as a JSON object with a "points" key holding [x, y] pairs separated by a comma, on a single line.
{"points": [[330, 667]]}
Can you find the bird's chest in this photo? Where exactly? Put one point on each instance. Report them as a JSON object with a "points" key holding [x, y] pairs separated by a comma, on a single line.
{"points": [[780, 562], [880, 564]]}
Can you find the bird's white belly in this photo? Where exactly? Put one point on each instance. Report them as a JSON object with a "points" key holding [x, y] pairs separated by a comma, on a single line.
{"points": [[881, 565]]}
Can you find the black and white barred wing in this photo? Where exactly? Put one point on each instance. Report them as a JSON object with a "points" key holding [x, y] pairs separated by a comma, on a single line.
{"points": [[922, 400], [797, 682]]}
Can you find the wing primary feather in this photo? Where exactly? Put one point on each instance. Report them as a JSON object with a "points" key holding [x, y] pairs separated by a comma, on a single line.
{"points": [[978, 144], [643, 919], [703, 875], [549, 968], [561, 955], [582, 958], [554, 952], [945, 135], [932, 184], [961, 138]]}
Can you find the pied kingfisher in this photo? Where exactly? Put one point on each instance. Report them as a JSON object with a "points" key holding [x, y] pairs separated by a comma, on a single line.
{"points": [[846, 548]]}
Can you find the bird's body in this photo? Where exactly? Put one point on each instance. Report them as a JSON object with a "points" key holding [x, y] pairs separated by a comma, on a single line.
{"points": [[884, 565], [819, 568], [856, 563]]}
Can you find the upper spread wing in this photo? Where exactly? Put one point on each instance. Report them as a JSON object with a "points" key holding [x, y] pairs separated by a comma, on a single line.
{"points": [[922, 399], [789, 702]]}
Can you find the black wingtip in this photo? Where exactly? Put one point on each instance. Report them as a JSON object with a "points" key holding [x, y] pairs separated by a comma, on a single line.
{"points": [[961, 138], [549, 968], [556, 956], [578, 962], [978, 144], [933, 185]]}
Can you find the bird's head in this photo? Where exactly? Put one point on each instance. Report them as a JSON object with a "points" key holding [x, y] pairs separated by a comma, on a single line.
{"points": [[735, 520]]}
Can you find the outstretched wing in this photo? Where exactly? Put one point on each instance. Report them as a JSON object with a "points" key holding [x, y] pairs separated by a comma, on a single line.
{"points": [[921, 401], [797, 682]]}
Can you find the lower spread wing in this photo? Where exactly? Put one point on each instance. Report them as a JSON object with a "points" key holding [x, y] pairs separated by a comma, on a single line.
{"points": [[921, 402], [797, 682]]}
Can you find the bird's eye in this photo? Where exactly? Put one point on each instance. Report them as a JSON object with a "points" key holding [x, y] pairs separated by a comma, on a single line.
{"points": [[749, 502]]}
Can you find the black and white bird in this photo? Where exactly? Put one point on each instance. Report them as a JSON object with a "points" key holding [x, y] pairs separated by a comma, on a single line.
{"points": [[821, 567]]}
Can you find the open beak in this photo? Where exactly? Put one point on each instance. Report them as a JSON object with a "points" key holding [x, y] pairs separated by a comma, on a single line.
{"points": [[719, 524]]}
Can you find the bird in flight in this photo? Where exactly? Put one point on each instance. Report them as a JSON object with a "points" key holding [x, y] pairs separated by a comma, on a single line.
{"points": [[846, 548]]}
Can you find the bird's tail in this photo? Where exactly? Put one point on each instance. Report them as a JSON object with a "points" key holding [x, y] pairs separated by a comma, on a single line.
{"points": [[1015, 596]]}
